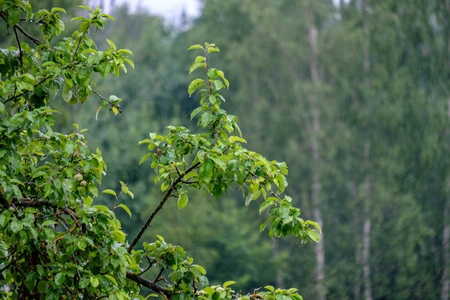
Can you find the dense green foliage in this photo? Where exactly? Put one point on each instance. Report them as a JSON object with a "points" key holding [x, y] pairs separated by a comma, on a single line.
{"points": [[383, 98], [57, 242], [383, 141]]}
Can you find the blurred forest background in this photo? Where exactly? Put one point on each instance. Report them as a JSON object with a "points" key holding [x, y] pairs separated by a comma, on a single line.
{"points": [[353, 95]]}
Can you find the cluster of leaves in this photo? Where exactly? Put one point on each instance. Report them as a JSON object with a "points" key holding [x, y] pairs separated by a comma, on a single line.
{"points": [[215, 160], [55, 243]]}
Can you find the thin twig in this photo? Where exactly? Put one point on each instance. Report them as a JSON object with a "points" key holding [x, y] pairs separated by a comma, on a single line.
{"points": [[160, 205], [26, 91], [159, 275], [149, 266], [33, 39], [79, 42], [20, 48]]}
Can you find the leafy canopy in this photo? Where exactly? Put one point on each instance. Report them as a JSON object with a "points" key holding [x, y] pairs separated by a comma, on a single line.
{"points": [[55, 241]]}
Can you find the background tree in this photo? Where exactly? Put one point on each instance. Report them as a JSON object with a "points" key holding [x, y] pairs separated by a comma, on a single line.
{"points": [[56, 243]]}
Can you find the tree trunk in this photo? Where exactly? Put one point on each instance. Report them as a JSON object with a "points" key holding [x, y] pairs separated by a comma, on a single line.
{"points": [[446, 247], [367, 180], [446, 235], [353, 186], [367, 227], [315, 154]]}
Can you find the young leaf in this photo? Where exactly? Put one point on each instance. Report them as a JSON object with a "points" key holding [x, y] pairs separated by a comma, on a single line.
{"points": [[108, 191], [313, 234], [194, 85], [182, 200], [195, 47], [228, 283], [125, 208], [145, 157]]}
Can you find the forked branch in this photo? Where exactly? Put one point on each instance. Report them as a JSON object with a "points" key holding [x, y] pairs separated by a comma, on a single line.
{"points": [[160, 205]]}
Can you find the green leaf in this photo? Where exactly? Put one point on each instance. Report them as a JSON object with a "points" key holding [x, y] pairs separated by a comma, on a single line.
{"points": [[86, 7], [265, 205], [16, 226], [194, 85], [213, 49], [263, 225], [4, 217], [110, 278], [126, 209], [228, 283], [209, 290], [111, 44], [270, 288], [222, 165], [42, 287], [196, 111], [81, 244], [108, 191], [314, 235], [13, 16], [195, 47], [94, 281], [30, 281], [205, 119], [145, 157], [196, 66], [59, 278], [182, 199], [209, 169], [314, 224]]}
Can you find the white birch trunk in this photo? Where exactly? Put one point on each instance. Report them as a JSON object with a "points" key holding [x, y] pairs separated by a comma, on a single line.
{"points": [[315, 153]]}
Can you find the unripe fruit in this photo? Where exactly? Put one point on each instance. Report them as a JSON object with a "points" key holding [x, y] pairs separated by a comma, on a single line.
{"points": [[78, 177], [83, 183]]}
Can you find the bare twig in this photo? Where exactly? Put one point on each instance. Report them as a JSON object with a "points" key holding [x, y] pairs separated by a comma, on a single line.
{"points": [[79, 42], [159, 275], [160, 205], [20, 48], [149, 266], [150, 284], [33, 39], [26, 91]]}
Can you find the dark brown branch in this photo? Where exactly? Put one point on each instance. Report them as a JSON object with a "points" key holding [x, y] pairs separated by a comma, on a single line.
{"points": [[26, 91], [20, 48], [105, 99], [160, 205], [78, 45], [150, 284], [159, 275], [150, 263], [6, 267], [35, 40]]}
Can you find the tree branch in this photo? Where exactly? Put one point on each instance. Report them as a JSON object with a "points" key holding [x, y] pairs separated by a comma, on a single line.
{"points": [[150, 284], [79, 42], [17, 26], [20, 48], [160, 205], [26, 91]]}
